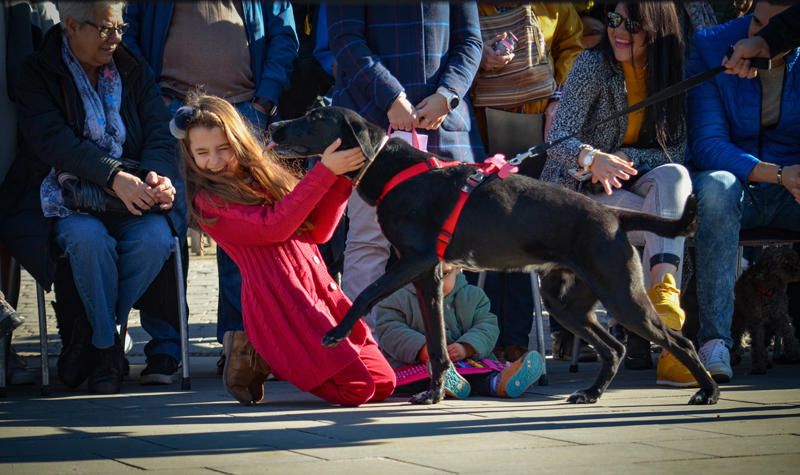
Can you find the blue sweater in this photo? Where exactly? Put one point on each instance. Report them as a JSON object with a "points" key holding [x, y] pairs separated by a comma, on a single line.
{"points": [[725, 130], [270, 33]]}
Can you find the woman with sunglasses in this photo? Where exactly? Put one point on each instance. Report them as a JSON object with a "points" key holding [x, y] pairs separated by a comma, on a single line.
{"points": [[633, 162], [85, 102]]}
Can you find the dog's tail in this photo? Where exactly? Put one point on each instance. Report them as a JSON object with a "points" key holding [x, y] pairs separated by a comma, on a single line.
{"points": [[670, 228]]}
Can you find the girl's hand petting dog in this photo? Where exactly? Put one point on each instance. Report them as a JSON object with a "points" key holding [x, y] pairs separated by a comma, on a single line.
{"points": [[611, 169], [343, 161]]}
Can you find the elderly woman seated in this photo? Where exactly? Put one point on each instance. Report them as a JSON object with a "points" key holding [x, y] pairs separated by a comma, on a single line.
{"points": [[85, 103]]}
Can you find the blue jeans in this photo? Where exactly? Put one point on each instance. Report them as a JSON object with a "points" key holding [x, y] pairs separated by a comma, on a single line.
{"points": [[725, 207], [229, 304], [113, 263]]}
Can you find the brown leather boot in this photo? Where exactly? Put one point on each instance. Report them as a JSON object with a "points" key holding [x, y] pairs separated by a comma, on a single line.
{"points": [[245, 371]]}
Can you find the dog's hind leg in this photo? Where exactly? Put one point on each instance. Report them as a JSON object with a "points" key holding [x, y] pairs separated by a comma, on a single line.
{"points": [[429, 295], [406, 270], [572, 304], [633, 310]]}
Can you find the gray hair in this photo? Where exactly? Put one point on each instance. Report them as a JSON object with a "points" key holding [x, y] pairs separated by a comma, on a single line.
{"points": [[84, 11]]}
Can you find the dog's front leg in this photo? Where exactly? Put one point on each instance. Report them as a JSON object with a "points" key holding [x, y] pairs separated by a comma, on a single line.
{"points": [[429, 296], [404, 271]]}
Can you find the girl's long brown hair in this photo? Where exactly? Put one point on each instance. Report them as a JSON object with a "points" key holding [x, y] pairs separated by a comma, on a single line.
{"points": [[259, 178]]}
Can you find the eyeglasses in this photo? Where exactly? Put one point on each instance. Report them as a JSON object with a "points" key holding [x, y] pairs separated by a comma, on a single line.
{"points": [[614, 20], [105, 31]]}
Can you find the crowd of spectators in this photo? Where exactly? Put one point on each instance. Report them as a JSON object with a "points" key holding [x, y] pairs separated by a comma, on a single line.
{"points": [[89, 89]]}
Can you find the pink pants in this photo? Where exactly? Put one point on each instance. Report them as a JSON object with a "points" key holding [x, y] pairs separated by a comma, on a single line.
{"points": [[370, 378]]}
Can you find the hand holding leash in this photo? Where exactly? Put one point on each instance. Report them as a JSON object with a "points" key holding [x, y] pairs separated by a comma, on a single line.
{"points": [[746, 57], [402, 115]]}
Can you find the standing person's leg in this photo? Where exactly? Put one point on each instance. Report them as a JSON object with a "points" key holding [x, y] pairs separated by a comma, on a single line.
{"points": [[366, 251], [229, 302], [720, 203]]}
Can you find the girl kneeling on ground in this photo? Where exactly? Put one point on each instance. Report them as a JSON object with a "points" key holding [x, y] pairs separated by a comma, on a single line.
{"points": [[270, 223]]}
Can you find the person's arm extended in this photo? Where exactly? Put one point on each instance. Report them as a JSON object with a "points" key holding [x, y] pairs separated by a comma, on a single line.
{"points": [[346, 33], [252, 225], [282, 47], [328, 213], [709, 135], [466, 48]]}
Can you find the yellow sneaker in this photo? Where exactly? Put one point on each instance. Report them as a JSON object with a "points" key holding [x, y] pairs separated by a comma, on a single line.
{"points": [[666, 299], [671, 372]]}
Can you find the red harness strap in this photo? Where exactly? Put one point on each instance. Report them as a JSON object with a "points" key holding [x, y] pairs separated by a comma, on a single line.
{"points": [[413, 171], [493, 165]]}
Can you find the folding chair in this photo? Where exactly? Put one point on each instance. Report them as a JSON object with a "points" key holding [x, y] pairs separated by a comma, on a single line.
{"points": [[177, 260]]}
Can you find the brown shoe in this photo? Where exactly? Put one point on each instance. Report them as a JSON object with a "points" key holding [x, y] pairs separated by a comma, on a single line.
{"points": [[245, 371], [514, 352]]}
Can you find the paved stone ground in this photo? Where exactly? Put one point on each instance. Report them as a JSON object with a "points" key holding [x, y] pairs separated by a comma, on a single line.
{"points": [[636, 427]]}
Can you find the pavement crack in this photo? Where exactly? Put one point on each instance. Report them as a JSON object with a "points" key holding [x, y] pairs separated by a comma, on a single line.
{"points": [[406, 462], [216, 470]]}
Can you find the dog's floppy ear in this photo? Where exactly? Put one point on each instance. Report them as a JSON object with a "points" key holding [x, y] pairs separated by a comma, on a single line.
{"points": [[366, 135]]}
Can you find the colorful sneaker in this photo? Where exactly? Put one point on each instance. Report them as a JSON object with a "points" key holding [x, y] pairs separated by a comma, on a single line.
{"points": [[516, 378], [716, 358], [666, 299], [455, 385], [671, 372]]}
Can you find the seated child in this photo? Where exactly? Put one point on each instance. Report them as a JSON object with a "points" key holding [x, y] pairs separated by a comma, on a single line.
{"points": [[472, 332]]}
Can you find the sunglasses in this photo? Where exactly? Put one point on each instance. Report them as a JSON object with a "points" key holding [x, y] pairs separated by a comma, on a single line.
{"points": [[105, 31], [614, 20]]}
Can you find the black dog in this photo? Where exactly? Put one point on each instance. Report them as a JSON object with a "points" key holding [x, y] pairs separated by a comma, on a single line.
{"points": [[516, 224]]}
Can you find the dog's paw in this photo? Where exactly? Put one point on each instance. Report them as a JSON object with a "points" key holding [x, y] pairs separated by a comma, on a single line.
{"points": [[581, 397], [703, 397], [334, 337], [427, 397]]}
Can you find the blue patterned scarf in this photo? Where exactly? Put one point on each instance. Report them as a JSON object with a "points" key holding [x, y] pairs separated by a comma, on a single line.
{"points": [[103, 125]]}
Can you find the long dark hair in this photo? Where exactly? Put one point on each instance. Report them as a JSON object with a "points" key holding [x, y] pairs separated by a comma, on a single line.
{"points": [[665, 61]]}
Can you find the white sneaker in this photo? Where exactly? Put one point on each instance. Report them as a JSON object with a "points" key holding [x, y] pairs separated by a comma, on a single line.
{"points": [[716, 358]]}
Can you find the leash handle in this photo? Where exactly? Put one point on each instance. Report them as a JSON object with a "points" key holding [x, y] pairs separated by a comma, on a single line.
{"points": [[414, 136]]}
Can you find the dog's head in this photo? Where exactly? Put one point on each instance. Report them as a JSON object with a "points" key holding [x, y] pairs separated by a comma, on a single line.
{"points": [[779, 261], [311, 134]]}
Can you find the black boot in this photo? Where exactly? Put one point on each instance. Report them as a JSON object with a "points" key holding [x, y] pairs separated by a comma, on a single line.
{"points": [[75, 360], [106, 374], [637, 355]]}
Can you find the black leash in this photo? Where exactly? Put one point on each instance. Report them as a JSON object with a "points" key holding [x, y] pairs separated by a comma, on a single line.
{"points": [[674, 90]]}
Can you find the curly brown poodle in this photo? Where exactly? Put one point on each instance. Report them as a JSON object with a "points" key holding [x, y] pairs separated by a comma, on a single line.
{"points": [[762, 307]]}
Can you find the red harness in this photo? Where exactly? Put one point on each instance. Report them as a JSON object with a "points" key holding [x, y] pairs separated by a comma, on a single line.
{"points": [[493, 165]]}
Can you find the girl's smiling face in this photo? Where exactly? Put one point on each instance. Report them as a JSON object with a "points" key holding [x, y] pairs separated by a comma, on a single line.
{"points": [[627, 46], [211, 150]]}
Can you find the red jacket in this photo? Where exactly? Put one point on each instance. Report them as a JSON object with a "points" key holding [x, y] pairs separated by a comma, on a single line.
{"points": [[289, 301]]}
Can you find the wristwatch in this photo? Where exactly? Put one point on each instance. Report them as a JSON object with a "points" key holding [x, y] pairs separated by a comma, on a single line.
{"points": [[588, 159], [268, 105], [450, 96]]}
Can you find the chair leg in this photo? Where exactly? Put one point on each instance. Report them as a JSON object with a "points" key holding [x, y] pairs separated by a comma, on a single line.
{"points": [[183, 323], [538, 320], [481, 280], [43, 340], [4, 343], [576, 354]]}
